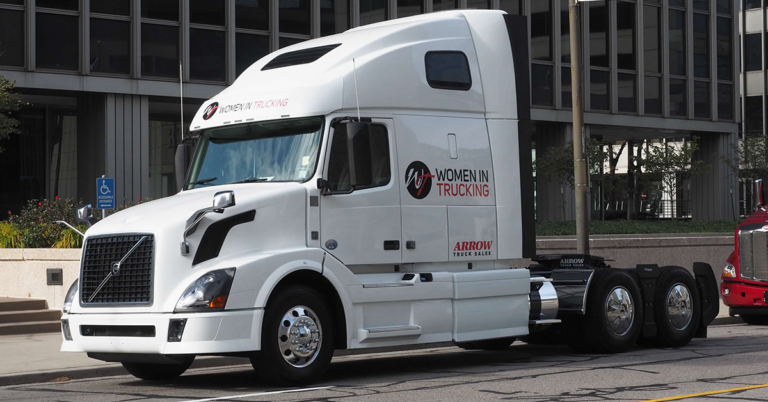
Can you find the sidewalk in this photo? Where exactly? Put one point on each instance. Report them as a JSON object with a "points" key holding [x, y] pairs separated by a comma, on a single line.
{"points": [[36, 358]]}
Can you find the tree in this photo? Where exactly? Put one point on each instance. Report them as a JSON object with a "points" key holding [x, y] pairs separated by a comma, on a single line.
{"points": [[10, 102], [750, 162], [672, 162]]}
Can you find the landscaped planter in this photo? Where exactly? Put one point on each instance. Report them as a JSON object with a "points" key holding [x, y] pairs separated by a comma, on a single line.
{"points": [[23, 273]]}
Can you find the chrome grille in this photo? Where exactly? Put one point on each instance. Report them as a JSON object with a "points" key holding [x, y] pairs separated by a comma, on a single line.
{"points": [[132, 285], [753, 254]]}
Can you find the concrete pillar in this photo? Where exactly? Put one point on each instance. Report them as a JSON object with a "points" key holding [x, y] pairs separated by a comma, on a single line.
{"points": [[715, 194], [91, 149], [554, 201]]}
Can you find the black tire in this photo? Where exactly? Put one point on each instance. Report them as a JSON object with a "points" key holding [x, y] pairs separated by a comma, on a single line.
{"points": [[158, 372], [627, 313], [753, 319], [676, 324], [269, 363]]}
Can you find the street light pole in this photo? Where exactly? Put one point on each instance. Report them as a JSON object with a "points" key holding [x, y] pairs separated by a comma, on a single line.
{"points": [[579, 161]]}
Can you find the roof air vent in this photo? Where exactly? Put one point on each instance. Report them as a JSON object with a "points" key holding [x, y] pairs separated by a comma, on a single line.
{"points": [[303, 56]]}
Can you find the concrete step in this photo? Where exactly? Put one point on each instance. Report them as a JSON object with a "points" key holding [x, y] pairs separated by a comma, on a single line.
{"points": [[34, 327], [13, 317], [12, 304]]}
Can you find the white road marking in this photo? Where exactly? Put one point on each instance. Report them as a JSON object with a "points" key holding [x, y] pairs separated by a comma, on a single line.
{"points": [[286, 391]]}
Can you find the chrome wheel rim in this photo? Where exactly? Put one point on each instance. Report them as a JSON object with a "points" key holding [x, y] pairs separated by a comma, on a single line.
{"points": [[679, 307], [300, 336], [619, 311]]}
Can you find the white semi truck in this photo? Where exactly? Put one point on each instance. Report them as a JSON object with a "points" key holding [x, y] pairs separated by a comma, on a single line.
{"points": [[359, 191]]}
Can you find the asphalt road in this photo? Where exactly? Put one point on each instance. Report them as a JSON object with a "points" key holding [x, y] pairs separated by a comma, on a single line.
{"points": [[733, 356]]}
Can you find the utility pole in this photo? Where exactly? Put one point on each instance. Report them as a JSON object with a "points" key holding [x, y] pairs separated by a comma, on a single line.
{"points": [[579, 160]]}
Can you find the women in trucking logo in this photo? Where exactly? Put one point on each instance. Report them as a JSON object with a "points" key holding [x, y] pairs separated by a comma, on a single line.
{"points": [[450, 182]]}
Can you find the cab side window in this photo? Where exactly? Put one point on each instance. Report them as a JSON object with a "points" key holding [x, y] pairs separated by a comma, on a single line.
{"points": [[374, 171], [448, 70]]}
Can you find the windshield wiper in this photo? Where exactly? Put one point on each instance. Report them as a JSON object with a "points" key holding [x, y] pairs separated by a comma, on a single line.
{"points": [[204, 181], [251, 180]]}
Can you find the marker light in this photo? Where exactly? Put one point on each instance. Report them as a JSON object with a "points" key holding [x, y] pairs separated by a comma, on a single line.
{"points": [[65, 330], [207, 293], [70, 297], [729, 271]]}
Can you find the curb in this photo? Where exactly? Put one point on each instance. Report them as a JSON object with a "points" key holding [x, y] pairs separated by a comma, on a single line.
{"points": [[726, 320], [106, 371]]}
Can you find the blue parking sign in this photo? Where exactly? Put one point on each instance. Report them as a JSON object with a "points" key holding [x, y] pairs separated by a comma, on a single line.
{"points": [[105, 193]]}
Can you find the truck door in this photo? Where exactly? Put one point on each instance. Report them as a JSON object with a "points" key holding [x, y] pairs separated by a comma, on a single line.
{"points": [[362, 226]]}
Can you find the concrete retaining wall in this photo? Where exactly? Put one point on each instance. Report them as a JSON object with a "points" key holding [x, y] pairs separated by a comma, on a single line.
{"points": [[22, 271]]}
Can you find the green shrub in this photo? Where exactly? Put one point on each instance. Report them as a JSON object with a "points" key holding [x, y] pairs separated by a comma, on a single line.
{"points": [[568, 228], [35, 228], [10, 236]]}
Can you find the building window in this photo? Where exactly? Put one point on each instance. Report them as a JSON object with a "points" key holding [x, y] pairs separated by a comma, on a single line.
{"points": [[62, 177], [479, 4], [566, 94], [159, 51], [652, 39], [248, 49], [112, 7], [285, 42], [677, 3], [724, 6], [167, 10], [541, 85], [700, 45], [750, 4], [753, 52], [627, 93], [372, 11], [701, 105], [206, 55], [72, 5], [753, 115], [677, 105], [511, 6], [652, 95], [625, 36], [448, 70], [110, 46], [407, 8], [565, 32], [541, 31], [206, 12], [334, 17], [254, 14], [598, 35], [11, 33], [58, 38], [163, 134], [294, 17], [701, 5], [440, 5], [599, 95], [724, 102], [724, 43], [676, 42]]}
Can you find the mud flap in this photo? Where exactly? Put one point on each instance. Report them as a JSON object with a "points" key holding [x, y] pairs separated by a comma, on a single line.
{"points": [[709, 295]]}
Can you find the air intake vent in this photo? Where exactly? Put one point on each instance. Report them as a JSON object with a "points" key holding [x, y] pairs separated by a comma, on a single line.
{"points": [[303, 56]]}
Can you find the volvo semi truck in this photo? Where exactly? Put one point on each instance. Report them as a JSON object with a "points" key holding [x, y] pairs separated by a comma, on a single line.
{"points": [[359, 191], [744, 283]]}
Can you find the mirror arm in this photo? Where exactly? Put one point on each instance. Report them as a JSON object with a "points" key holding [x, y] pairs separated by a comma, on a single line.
{"points": [[192, 224], [70, 226]]}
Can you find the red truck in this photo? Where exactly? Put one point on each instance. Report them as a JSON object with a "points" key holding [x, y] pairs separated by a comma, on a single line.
{"points": [[745, 277]]}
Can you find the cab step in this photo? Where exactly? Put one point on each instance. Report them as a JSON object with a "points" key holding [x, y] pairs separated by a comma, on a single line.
{"points": [[389, 332]]}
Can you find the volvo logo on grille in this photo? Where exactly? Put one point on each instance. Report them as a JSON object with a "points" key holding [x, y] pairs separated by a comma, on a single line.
{"points": [[115, 269]]}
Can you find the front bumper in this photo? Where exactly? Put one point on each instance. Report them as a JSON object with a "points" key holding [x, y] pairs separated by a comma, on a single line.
{"points": [[744, 295], [204, 333]]}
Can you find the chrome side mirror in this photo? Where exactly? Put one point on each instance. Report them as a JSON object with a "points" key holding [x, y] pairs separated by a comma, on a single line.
{"points": [[224, 199], [85, 215]]}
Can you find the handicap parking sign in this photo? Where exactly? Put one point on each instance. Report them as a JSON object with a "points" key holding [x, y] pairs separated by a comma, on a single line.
{"points": [[105, 193]]}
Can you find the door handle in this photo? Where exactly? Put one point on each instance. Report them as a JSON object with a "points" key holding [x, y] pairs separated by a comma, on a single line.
{"points": [[391, 244]]}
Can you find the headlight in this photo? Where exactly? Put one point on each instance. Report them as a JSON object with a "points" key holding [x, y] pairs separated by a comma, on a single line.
{"points": [[208, 293], [729, 271], [70, 297]]}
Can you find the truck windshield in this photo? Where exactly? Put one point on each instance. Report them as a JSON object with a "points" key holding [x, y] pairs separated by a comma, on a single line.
{"points": [[278, 151]]}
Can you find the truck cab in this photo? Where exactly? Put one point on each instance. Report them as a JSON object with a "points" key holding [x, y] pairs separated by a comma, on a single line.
{"points": [[356, 191], [744, 286]]}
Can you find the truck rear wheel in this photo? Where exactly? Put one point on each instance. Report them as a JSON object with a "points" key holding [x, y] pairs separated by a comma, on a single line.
{"points": [[614, 313], [753, 319], [297, 338], [158, 372], [677, 308]]}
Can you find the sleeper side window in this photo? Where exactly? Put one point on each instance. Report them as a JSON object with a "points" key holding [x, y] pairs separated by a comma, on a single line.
{"points": [[373, 170], [448, 70]]}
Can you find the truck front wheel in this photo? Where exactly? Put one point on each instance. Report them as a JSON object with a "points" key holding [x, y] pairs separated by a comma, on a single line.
{"points": [[297, 338], [614, 312], [158, 372]]}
